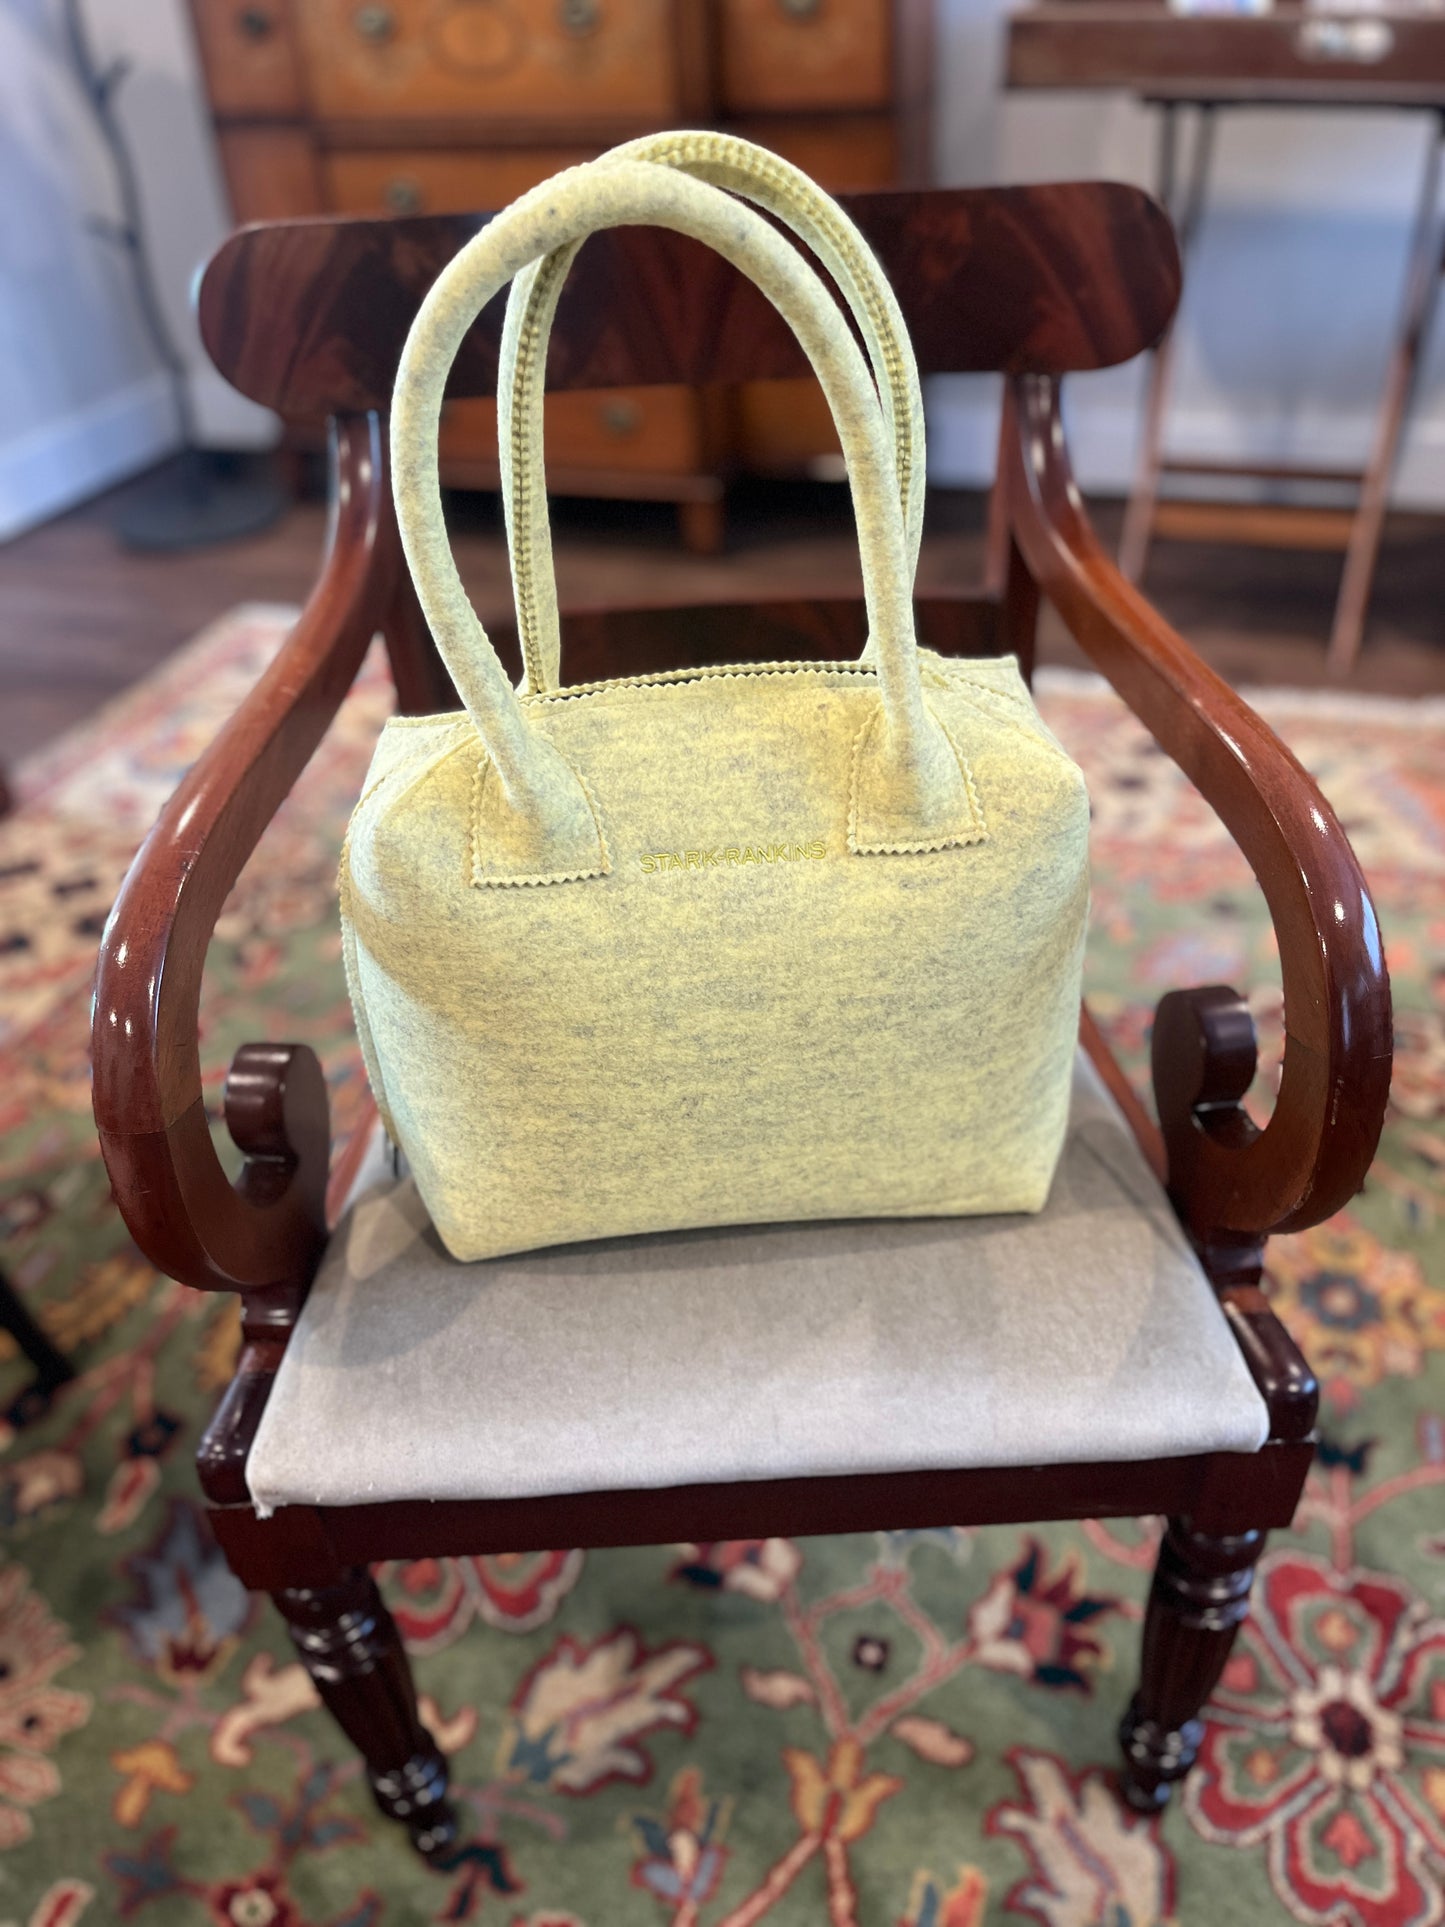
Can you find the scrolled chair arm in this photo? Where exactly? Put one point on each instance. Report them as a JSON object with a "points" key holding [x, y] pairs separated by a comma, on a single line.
{"points": [[263, 1234], [1232, 1183]]}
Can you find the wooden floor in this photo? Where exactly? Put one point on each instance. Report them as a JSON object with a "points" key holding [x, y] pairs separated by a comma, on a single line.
{"points": [[80, 618]]}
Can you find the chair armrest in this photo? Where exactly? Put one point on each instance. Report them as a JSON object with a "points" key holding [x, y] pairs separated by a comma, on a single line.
{"points": [[1229, 1180], [264, 1233]]}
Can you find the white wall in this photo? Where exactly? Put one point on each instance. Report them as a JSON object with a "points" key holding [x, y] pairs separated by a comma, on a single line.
{"points": [[1291, 296], [83, 401]]}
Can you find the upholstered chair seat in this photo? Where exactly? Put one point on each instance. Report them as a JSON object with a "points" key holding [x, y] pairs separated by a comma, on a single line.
{"points": [[1088, 1332]]}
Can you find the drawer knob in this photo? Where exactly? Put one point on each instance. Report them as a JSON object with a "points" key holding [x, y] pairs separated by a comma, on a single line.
{"points": [[579, 16], [402, 196], [255, 23], [801, 9], [376, 24], [621, 416]]}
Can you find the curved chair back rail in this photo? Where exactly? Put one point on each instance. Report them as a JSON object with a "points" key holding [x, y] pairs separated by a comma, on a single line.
{"points": [[265, 1234], [1229, 1180], [309, 317]]}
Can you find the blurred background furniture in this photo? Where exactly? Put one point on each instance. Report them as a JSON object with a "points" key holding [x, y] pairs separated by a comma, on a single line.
{"points": [[52, 1368], [416, 106], [309, 318], [1293, 56], [197, 499]]}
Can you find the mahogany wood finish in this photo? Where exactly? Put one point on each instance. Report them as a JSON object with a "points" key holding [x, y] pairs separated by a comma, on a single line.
{"points": [[1075, 276], [423, 686], [1040, 280], [1229, 1181], [349, 1644], [1232, 1490], [1197, 1603], [265, 1234]]}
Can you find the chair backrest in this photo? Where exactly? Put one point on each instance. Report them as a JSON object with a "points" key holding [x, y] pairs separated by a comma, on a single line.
{"points": [[309, 317]]}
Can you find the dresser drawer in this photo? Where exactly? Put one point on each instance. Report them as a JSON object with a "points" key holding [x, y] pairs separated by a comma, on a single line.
{"points": [[804, 53], [513, 60], [786, 426], [858, 151], [656, 431], [844, 153], [271, 172], [249, 54], [439, 181]]}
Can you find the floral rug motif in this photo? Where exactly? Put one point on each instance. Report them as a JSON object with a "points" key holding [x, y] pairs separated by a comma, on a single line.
{"points": [[910, 1729]]}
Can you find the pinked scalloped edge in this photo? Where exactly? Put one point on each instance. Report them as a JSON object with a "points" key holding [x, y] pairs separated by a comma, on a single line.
{"points": [[974, 831], [480, 879]]}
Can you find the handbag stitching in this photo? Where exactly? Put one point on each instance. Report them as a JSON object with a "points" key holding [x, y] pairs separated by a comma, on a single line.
{"points": [[968, 672], [976, 831], [523, 583], [665, 680], [680, 151], [440, 757], [660, 679], [956, 680], [738, 155], [484, 770]]}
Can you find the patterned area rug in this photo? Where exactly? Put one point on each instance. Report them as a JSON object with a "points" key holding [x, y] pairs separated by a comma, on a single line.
{"points": [[908, 1729]]}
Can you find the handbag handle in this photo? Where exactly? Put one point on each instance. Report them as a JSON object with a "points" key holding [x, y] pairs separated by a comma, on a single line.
{"points": [[537, 822], [744, 168]]}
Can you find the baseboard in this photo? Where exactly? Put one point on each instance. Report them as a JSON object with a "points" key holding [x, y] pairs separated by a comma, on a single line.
{"points": [[63, 462], [1103, 440]]}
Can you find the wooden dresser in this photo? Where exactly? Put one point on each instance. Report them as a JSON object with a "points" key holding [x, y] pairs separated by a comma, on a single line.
{"points": [[432, 106]]}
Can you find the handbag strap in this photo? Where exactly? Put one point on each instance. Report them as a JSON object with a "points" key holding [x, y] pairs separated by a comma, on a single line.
{"points": [[744, 168], [541, 824]]}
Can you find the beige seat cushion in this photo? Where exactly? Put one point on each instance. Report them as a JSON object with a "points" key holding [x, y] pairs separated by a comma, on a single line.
{"points": [[1088, 1332]]}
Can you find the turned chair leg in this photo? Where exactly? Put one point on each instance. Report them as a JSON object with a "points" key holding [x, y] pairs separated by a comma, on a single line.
{"points": [[1197, 1603], [350, 1646]]}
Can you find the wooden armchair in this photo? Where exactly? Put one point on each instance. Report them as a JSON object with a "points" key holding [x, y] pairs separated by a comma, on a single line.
{"points": [[309, 318]]}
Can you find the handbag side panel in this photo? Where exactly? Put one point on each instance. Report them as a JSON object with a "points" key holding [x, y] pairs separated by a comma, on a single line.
{"points": [[741, 1021]]}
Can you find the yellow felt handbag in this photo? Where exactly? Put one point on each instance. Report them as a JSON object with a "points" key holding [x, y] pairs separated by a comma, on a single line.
{"points": [[748, 944]]}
